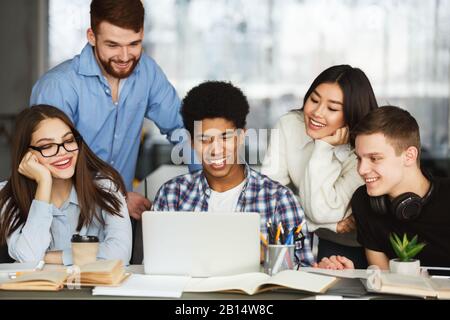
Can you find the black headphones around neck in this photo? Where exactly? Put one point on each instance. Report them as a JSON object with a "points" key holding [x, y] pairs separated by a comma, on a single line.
{"points": [[405, 207]]}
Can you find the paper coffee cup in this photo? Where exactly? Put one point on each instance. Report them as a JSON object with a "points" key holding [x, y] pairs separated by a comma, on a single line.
{"points": [[84, 249]]}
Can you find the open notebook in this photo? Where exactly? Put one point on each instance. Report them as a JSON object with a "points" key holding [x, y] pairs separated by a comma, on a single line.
{"points": [[256, 282], [37, 281], [101, 272], [12, 270]]}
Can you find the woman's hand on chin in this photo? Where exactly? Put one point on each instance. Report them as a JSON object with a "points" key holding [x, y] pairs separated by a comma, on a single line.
{"points": [[340, 136], [32, 169]]}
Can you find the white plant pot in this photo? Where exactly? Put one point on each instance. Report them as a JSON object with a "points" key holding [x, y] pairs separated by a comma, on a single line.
{"points": [[411, 268]]}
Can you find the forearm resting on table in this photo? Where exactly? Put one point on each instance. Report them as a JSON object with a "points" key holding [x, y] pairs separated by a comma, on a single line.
{"points": [[53, 257]]}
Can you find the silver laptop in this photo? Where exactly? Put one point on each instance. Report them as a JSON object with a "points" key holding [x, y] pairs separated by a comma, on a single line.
{"points": [[200, 244]]}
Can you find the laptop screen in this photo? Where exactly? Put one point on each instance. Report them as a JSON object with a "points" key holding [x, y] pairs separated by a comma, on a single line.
{"points": [[200, 244]]}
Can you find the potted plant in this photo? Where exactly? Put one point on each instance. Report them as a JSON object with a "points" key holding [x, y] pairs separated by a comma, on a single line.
{"points": [[405, 250]]}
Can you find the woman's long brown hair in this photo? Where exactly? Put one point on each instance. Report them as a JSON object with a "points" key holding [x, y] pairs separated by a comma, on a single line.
{"points": [[17, 195]]}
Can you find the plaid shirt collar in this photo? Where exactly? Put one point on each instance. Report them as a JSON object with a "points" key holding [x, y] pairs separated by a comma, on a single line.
{"points": [[250, 180]]}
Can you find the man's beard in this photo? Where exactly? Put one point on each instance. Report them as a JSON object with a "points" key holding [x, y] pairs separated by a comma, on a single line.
{"points": [[107, 66]]}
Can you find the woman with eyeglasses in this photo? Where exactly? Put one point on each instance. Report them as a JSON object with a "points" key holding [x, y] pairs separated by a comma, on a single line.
{"points": [[59, 187]]}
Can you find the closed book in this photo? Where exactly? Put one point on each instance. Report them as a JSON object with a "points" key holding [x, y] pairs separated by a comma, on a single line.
{"points": [[103, 272]]}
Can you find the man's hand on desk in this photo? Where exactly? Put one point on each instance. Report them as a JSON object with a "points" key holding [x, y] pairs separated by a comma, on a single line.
{"points": [[137, 204], [335, 263]]}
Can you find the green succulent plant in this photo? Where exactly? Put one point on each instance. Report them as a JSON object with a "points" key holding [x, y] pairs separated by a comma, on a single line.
{"points": [[405, 249]]}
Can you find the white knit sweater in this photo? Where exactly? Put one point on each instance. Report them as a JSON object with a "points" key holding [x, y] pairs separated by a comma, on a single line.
{"points": [[325, 175]]}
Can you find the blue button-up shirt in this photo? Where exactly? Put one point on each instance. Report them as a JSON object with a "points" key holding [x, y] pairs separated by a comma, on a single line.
{"points": [[191, 192], [112, 130], [50, 229]]}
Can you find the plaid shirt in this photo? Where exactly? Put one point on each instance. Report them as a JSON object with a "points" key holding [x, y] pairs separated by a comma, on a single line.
{"points": [[191, 192]]}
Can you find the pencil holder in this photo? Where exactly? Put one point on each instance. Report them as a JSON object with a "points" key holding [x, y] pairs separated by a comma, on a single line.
{"points": [[278, 258]]}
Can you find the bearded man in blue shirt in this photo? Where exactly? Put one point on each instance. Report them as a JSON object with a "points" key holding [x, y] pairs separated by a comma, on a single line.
{"points": [[110, 87]]}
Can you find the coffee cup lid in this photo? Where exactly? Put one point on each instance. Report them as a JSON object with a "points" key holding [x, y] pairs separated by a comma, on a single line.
{"points": [[80, 238]]}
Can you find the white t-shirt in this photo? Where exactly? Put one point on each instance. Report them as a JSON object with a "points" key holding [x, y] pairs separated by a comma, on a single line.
{"points": [[225, 201]]}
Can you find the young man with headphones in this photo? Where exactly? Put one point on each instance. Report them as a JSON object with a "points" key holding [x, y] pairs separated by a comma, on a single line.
{"points": [[398, 196]]}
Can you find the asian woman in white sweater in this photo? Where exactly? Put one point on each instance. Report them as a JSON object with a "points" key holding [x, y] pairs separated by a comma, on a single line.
{"points": [[310, 149]]}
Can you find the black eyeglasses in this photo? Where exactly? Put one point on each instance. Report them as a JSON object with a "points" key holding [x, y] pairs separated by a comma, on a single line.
{"points": [[52, 149]]}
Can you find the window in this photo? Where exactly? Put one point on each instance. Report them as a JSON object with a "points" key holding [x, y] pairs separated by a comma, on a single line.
{"points": [[274, 49]]}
